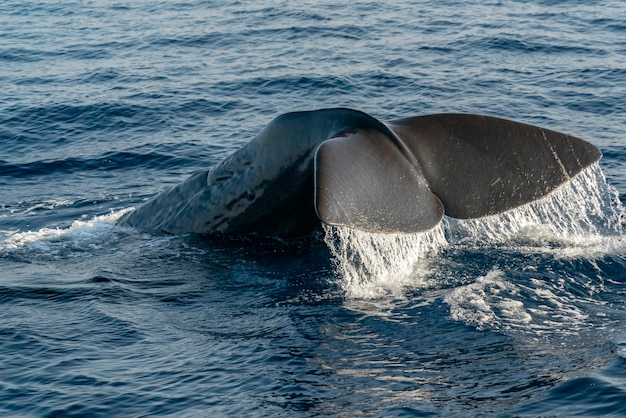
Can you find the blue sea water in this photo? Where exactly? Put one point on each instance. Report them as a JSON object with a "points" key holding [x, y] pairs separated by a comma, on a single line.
{"points": [[105, 103]]}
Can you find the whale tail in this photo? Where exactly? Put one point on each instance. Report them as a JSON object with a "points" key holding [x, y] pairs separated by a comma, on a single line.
{"points": [[365, 174], [465, 166]]}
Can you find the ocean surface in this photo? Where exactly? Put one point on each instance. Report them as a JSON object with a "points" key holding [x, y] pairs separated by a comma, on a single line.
{"points": [[105, 103]]}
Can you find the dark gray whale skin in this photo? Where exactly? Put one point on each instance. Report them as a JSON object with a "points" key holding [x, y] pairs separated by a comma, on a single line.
{"points": [[345, 167]]}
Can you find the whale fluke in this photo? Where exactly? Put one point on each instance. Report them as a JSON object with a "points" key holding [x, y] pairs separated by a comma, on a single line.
{"points": [[480, 165], [365, 181], [345, 167]]}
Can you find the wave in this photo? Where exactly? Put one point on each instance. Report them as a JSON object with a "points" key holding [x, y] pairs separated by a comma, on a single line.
{"points": [[81, 117], [104, 162], [518, 44]]}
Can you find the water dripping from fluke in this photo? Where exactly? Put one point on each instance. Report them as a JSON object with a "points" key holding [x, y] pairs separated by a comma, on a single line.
{"points": [[583, 217]]}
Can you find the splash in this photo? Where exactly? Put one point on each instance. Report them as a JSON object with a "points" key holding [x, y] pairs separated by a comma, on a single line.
{"points": [[372, 265], [582, 214]]}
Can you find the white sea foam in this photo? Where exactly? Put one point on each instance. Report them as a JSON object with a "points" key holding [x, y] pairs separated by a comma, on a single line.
{"points": [[495, 302], [486, 301], [584, 217], [81, 235]]}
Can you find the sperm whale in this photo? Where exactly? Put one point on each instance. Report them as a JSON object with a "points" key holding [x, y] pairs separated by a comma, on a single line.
{"points": [[345, 167]]}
